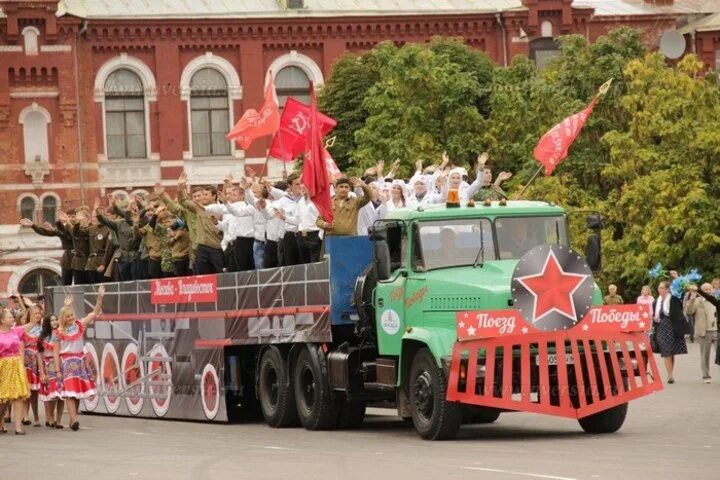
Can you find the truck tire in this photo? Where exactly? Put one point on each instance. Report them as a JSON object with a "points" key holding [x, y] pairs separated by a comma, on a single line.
{"points": [[277, 397], [607, 421], [313, 397], [351, 414], [434, 417]]}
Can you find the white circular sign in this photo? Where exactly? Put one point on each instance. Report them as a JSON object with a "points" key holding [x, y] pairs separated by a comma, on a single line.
{"points": [[390, 322]]}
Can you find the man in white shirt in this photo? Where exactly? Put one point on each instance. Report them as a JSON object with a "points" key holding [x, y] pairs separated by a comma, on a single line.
{"points": [[309, 236], [239, 223], [287, 209], [370, 213]]}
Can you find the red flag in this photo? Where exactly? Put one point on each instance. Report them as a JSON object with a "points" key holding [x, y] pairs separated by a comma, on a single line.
{"points": [[331, 166], [553, 146], [290, 139], [315, 174], [254, 124]]}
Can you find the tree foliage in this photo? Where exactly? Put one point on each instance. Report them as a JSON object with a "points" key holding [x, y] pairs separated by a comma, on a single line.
{"points": [[648, 158]]}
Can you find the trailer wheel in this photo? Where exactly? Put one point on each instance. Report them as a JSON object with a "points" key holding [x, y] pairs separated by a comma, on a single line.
{"points": [[607, 421], [434, 417], [277, 398], [315, 405], [352, 414]]}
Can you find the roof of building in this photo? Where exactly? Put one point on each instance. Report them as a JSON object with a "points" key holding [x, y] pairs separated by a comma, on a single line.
{"points": [[124, 9], [709, 23], [642, 7]]}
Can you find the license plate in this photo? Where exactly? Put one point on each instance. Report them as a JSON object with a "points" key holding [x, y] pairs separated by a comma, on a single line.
{"points": [[552, 359]]}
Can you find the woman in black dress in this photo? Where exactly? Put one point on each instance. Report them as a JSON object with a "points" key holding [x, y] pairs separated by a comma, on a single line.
{"points": [[670, 327]]}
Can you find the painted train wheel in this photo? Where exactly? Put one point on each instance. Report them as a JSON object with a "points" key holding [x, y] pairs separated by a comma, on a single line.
{"points": [[160, 372], [210, 391], [111, 379], [91, 363], [133, 372]]}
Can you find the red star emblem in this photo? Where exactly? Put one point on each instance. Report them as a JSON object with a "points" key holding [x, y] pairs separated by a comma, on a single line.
{"points": [[553, 289]]}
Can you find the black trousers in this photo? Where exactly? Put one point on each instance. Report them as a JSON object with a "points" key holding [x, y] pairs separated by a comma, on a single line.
{"points": [[271, 255], [229, 256], [309, 247], [95, 277], [181, 267], [140, 269], [67, 276], [154, 269], [124, 271], [243, 247], [290, 253], [209, 260], [80, 277]]}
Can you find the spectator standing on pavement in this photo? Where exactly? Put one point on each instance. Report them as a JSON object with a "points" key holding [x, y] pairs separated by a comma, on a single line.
{"points": [[646, 297], [612, 298], [669, 320], [690, 314], [705, 306]]}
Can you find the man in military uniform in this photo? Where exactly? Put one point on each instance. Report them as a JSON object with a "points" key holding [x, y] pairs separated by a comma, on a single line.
{"points": [[127, 245], [99, 237], [488, 189], [81, 243], [47, 230], [346, 208]]}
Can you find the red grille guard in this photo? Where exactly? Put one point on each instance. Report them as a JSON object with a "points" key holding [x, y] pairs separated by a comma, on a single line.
{"points": [[596, 365]]}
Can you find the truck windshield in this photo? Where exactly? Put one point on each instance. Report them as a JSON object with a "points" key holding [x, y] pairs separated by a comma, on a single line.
{"points": [[517, 235], [454, 243]]}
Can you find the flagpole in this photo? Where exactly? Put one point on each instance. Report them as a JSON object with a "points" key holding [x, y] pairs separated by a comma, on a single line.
{"points": [[532, 179]]}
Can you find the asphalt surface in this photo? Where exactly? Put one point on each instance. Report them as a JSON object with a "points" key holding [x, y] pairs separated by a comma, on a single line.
{"points": [[672, 434]]}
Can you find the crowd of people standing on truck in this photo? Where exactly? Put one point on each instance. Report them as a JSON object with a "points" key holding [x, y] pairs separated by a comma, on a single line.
{"points": [[242, 225], [693, 317]]}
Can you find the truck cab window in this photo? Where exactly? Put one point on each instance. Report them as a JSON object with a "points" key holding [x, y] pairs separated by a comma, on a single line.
{"points": [[395, 240], [452, 243], [517, 235]]}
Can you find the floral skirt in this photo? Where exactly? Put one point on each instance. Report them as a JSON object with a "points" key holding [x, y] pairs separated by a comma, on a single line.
{"points": [[13, 379], [77, 381], [31, 369], [52, 389]]}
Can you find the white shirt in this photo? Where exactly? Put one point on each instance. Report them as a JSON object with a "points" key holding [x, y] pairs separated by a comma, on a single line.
{"points": [[238, 220], [307, 215], [291, 208], [367, 215], [665, 306], [274, 227]]}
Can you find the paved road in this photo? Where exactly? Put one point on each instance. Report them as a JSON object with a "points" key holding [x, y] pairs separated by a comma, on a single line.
{"points": [[672, 434]]}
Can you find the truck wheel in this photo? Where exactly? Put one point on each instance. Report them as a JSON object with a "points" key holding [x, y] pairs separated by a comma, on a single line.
{"points": [[277, 397], [352, 414], [607, 421], [434, 417], [313, 398]]}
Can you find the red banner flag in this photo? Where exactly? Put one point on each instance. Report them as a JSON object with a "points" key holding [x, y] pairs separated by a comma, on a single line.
{"points": [[315, 173], [254, 124], [554, 145], [290, 139], [332, 167]]}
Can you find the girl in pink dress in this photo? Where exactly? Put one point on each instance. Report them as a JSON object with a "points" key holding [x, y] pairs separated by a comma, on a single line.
{"points": [[50, 376], [13, 379], [77, 381]]}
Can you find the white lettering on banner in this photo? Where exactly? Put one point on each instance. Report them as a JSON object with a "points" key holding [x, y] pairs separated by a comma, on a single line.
{"points": [[505, 325], [300, 122], [614, 316], [195, 288], [164, 289]]}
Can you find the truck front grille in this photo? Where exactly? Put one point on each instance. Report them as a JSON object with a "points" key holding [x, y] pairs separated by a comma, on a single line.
{"points": [[454, 303]]}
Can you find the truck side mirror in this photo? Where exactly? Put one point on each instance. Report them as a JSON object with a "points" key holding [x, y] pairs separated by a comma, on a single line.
{"points": [[381, 255], [593, 249]]}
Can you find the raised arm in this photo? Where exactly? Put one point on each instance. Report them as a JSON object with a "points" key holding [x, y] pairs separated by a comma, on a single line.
{"points": [[708, 297], [90, 318]]}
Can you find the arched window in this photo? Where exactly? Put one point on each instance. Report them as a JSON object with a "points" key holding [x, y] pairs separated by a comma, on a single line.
{"points": [[30, 38], [210, 116], [49, 208], [35, 137], [546, 29], [293, 82], [35, 282], [125, 115], [27, 208]]}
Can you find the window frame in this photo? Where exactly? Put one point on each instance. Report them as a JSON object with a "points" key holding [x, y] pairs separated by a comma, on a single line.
{"points": [[209, 94], [140, 95], [35, 201], [417, 241]]}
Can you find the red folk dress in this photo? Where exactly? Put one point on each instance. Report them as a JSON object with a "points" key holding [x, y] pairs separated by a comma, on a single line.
{"points": [[77, 381], [52, 389], [31, 360]]}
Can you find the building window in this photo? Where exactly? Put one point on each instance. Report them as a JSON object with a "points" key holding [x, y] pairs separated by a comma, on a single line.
{"points": [[542, 51], [30, 38], [210, 113], [35, 121], [125, 115], [293, 82], [49, 208], [546, 29], [27, 208], [37, 281], [717, 61]]}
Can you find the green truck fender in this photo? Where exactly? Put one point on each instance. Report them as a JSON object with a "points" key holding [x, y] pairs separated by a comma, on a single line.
{"points": [[440, 341]]}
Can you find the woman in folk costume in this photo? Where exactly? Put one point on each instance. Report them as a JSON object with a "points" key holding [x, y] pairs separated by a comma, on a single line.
{"points": [[31, 317], [77, 381], [49, 366], [14, 386], [670, 327]]}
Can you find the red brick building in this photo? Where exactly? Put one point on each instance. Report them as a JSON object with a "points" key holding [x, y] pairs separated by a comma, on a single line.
{"points": [[114, 95]]}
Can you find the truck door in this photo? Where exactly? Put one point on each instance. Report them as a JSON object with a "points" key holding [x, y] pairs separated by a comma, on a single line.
{"points": [[389, 296]]}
